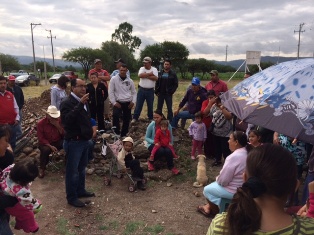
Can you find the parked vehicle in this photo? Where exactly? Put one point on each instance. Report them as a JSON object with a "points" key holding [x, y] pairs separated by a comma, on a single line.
{"points": [[26, 79], [22, 80], [54, 78], [70, 74], [19, 73]]}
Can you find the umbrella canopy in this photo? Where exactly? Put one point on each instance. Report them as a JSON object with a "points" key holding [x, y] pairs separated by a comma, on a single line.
{"points": [[280, 98]]}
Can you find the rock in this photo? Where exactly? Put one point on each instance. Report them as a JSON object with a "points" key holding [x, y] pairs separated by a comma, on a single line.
{"points": [[161, 175], [141, 152], [154, 211], [169, 184], [90, 171], [27, 150]]}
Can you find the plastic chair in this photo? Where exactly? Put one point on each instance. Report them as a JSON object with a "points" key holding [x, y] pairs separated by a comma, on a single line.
{"points": [[224, 203]]}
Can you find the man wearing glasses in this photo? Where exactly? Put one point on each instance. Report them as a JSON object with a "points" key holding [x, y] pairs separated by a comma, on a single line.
{"points": [[216, 84], [148, 76], [76, 119]]}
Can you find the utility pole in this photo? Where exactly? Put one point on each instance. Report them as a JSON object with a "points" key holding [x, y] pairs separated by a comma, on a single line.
{"points": [[226, 53], [45, 66], [32, 24], [299, 31], [53, 56]]}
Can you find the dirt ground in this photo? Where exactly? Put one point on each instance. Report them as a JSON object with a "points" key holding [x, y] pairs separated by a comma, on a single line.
{"points": [[168, 206]]}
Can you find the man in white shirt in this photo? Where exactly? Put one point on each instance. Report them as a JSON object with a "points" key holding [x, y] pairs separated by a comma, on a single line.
{"points": [[148, 76], [122, 96]]}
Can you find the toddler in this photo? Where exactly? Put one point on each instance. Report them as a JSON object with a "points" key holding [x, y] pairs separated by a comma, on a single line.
{"points": [[254, 138], [127, 160], [162, 139], [15, 181], [198, 132]]}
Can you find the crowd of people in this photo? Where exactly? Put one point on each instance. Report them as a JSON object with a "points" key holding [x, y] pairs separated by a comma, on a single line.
{"points": [[260, 168]]}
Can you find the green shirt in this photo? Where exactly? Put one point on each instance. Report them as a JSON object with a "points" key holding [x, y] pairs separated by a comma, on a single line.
{"points": [[300, 226]]}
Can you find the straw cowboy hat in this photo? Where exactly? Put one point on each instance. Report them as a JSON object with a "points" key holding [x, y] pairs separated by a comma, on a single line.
{"points": [[52, 111]]}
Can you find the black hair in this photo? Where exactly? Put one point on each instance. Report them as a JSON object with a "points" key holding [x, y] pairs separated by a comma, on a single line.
{"points": [[248, 73], [73, 82], [159, 112], [211, 92], [24, 171], [62, 81], [169, 61], [271, 170], [96, 74], [198, 115], [2, 78], [5, 130], [123, 65]]}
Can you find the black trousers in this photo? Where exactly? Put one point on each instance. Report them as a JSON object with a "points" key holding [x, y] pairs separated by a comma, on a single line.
{"points": [[97, 112], [126, 118], [134, 165], [221, 147], [163, 152]]}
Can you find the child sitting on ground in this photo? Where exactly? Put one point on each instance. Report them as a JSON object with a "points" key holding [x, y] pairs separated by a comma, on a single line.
{"points": [[127, 160], [197, 130], [15, 181], [162, 139], [254, 138]]}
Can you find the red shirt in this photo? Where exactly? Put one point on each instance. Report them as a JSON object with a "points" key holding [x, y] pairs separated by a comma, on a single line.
{"points": [[48, 133], [7, 111], [101, 72], [162, 137], [207, 120], [218, 87]]}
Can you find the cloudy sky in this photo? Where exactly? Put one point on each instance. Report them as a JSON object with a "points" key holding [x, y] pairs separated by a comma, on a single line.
{"points": [[204, 26]]}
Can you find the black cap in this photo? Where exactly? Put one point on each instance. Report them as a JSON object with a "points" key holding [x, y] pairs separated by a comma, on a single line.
{"points": [[120, 60]]}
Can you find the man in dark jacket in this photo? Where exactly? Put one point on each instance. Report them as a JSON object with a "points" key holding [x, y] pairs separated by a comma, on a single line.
{"points": [[76, 120], [194, 98], [165, 87]]}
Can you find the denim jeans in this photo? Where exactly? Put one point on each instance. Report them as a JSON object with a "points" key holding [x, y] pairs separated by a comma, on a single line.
{"points": [[77, 155], [142, 95], [182, 114], [163, 152], [14, 129], [168, 98]]}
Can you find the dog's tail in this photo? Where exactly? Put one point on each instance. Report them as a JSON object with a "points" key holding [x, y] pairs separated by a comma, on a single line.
{"points": [[197, 185]]}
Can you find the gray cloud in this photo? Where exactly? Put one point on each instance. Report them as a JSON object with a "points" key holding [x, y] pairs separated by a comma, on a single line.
{"points": [[204, 26]]}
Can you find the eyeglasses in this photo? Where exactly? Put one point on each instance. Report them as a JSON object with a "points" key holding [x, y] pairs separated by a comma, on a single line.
{"points": [[81, 86]]}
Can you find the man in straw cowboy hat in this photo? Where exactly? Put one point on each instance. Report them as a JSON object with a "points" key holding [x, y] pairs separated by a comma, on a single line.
{"points": [[50, 135]]}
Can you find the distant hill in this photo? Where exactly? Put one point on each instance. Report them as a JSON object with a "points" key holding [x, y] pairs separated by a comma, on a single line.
{"points": [[274, 59], [25, 60]]}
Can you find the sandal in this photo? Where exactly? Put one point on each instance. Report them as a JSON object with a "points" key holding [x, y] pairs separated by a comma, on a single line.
{"points": [[201, 210]]}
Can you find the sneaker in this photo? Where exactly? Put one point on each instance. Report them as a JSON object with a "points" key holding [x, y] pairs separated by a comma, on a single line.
{"points": [[150, 166], [175, 171], [216, 163], [192, 157], [133, 121]]}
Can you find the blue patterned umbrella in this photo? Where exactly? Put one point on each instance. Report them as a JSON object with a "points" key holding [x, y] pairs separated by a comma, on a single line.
{"points": [[280, 98]]}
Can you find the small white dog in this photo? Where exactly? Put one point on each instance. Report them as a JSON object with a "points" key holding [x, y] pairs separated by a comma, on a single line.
{"points": [[201, 178]]}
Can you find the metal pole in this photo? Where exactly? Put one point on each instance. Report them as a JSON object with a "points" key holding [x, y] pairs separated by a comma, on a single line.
{"points": [[33, 46], [53, 56], [45, 68], [300, 31]]}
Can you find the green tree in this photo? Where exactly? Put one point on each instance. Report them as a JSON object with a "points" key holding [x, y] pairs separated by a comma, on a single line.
{"points": [[70, 68], [116, 51], [85, 56], [175, 51], [41, 65], [8, 63], [123, 34], [264, 65], [193, 66]]}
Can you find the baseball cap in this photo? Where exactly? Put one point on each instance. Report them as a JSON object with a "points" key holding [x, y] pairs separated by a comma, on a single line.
{"points": [[128, 139], [147, 59], [11, 78], [96, 61], [196, 81], [214, 72], [120, 60]]}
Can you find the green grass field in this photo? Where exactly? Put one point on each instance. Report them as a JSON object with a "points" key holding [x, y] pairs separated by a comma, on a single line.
{"points": [[35, 91]]}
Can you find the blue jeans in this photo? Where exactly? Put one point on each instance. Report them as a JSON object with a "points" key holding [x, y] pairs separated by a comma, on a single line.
{"points": [[214, 192], [168, 98], [182, 114], [142, 95], [77, 155], [14, 129], [91, 144]]}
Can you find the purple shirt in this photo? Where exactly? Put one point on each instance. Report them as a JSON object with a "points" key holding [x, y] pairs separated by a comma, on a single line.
{"points": [[198, 131]]}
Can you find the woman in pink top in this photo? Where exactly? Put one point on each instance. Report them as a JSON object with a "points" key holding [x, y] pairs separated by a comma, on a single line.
{"points": [[230, 176]]}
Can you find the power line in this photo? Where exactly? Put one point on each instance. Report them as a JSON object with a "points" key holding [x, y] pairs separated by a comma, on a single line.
{"points": [[299, 31]]}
